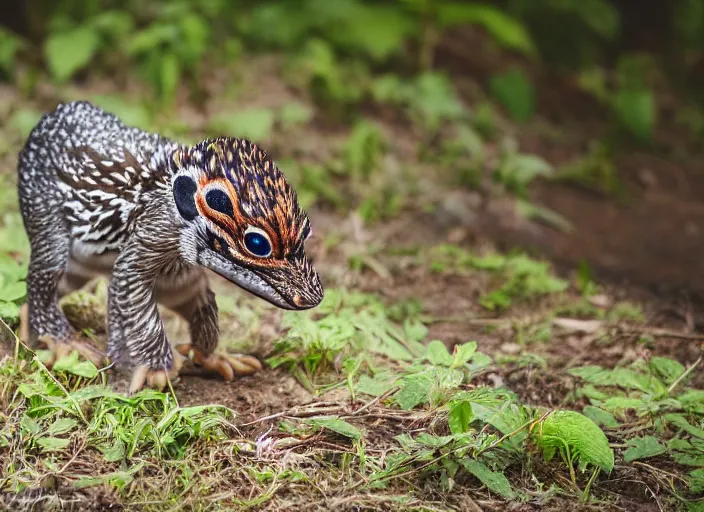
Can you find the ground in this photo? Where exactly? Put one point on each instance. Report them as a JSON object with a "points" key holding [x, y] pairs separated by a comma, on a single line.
{"points": [[302, 434]]}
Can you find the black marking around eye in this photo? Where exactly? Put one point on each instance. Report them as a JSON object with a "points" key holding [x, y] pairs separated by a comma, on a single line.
{"points": [[220, 202], [184, 196]]}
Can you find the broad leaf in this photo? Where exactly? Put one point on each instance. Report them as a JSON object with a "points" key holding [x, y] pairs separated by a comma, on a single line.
{"points": [[643, 447], [72, 364], [52, 444], [338, 426], [68, 52], [459, 417], [570, 430], [438, 354], [495, 481]]}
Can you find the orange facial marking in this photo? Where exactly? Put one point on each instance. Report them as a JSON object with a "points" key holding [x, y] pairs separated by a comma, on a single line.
{"points": [[232, 228]]}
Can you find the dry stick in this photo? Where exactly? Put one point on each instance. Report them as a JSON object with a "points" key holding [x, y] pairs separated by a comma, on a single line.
{"points": [[684, 375], [296, 412], [375, 401], [665, 333]]}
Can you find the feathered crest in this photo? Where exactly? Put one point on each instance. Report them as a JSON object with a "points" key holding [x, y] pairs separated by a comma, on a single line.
{"points": [[258, 191]]}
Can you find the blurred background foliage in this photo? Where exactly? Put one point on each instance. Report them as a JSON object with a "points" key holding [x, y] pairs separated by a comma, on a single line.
{"points": [[638, 64], [616, 49]]}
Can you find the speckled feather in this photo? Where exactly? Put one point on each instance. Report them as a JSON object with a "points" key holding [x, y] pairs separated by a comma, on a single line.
{"points": [[93, 190]]}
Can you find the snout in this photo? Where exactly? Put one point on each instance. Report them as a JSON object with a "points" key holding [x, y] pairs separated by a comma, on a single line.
{"points": [[311, 298], [297, 284]]}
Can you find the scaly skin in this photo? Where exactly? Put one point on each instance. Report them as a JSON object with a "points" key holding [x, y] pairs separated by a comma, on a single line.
{"points": [[98, 197]]}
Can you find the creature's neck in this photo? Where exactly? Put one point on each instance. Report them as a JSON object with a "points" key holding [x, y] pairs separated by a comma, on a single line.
{"points": [[162, 160]]}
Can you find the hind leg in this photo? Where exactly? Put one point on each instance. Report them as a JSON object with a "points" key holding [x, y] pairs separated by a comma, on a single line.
{"points": [[192, 298]]}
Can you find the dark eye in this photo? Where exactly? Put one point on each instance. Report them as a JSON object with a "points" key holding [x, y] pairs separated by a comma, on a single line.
{"points": [[219, 201], [257, 243]]}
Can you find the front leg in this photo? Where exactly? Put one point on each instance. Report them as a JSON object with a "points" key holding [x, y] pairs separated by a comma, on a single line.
{"points": [[135, 330], [202, 316]]}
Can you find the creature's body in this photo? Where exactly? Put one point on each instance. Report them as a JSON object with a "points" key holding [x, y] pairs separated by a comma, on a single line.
{"points": [[98, 197]]}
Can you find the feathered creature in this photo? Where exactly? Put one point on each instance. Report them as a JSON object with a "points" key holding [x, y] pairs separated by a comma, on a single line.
{"points": [[98, 197]]}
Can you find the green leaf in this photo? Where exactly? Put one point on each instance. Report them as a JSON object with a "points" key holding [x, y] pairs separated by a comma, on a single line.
{"points": [[68, 52], [338, 426], [681, 422], [52, 444], [438, 354], [696, 480], [119, 479], [432, 441], [72, 364], [254, 123], [600, 416], [294, 114], [28, 425], [61, 426], [113, 452], [515, 92], [151, 38], [637, 110], [459, 417], [9, 310], [625, 378], [13, 291], [10, 44], [377, 31], [668, 369], [506, 30], [693, 401], [130, 112], [495, 481], [574, 432], [376, 386], [463, 353], [169, 75], [642, 448], [415, 390]]}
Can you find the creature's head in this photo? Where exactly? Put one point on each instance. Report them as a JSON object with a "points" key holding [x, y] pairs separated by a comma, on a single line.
{"points": [[245, 220]]}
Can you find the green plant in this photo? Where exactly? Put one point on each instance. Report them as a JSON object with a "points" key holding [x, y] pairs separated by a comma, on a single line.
{"points": [[10, 45], [595, 170], [576, 438], [521, 277], [429, 98], [631, 99], [73, 45], [569, 34], [12, 287], [434, 17], [515, 92], [517, 170], [658, 393]]}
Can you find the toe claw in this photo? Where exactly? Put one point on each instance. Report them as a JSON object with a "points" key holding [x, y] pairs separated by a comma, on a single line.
{"points": [[155, 379], [227, 365], [139, 377], [225, 369], [244, 365]]}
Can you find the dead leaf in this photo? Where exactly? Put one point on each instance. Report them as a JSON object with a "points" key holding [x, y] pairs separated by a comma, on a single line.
{"points": [[601, 301], [577, 325]]}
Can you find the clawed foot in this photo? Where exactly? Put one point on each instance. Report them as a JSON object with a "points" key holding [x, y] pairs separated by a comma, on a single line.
{"points": [[227, 365], [156, 379], [60, 349]]}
